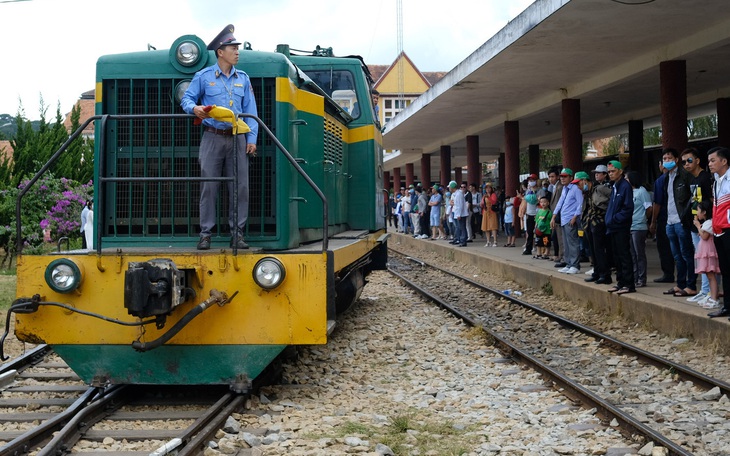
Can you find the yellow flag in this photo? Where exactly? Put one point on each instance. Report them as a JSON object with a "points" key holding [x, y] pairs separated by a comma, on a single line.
{"points": [[226, 115]]}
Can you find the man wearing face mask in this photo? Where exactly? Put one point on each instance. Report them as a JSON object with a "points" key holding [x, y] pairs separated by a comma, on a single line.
{"points": [[677, 186], [530, 212]]}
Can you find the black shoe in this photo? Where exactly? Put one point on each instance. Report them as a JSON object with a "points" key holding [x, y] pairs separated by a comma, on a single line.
{"points": [[591, 279], [204, 243], [238, 242], [464, 245], [560, 265], [604, 280], [664, 279], [525, 252], [724, 312]]}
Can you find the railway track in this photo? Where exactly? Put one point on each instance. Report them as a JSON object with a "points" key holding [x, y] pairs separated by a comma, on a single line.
{"points": [[45, 409], [678, 410]]}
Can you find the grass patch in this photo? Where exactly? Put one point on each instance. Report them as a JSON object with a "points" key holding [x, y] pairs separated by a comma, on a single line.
{"points": [[411, 433], [7, 290], [547, 288]]}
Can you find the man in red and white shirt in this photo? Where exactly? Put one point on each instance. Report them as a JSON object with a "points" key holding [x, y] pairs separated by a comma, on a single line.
{"points": [[719, 162]]}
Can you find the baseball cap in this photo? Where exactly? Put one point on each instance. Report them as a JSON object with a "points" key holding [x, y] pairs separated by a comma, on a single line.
{"points": [[566, 172]]}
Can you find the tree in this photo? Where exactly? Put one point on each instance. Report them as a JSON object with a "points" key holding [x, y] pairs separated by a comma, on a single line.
{"points": [[77, 163]]}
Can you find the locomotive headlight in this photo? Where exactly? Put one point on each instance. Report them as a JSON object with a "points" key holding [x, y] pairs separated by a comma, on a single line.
{"points": [[187, 53], [63, 275], [269, 273], [180, 90]]}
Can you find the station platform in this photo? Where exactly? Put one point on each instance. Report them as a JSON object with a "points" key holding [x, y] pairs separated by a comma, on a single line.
{"points": [[648, 306]]}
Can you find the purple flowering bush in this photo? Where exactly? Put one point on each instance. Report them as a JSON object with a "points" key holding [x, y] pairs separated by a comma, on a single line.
{"points": [[52, 203]]}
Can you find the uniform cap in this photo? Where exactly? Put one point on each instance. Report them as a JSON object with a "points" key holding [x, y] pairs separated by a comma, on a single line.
{"points": [[224, 38], [566, 172], [453, 184], [582, 175], [615, 163]]}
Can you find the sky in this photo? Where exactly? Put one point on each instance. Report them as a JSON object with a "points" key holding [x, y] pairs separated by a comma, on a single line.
{"points": [[50, 47]]}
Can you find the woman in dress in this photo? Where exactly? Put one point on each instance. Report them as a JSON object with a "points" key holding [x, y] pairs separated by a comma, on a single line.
{"points": [[490, 222]]}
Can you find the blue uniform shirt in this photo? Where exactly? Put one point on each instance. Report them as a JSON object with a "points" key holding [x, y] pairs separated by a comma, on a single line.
{"points": [[211, 87]]}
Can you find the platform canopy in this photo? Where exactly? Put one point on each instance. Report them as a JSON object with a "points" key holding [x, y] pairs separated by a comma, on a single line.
{"points": [[604, 52]]}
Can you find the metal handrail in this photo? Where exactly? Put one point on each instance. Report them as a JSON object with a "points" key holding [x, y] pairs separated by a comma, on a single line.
{"points": [[103, 180]]}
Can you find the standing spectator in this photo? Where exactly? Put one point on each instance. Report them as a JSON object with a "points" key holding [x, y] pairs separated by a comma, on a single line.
{"points": [[501, 199], [509, 218], [618, 228], [448, 218], [84, 215], [543, 232], [89, 226], [569, 209], [460, 212], [435, 217], [679, 219], [718, 159], [476, 211], [706, 254], [597, 203], [658, 227], [639, 227], [516, 218], [701, 187], [398, 214], [408, 201], [424, 212], [469, 198], [556, 190], [530, 212], [490, 223]]}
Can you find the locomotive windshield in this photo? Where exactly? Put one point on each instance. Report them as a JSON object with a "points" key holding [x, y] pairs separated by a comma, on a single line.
{"points": [[340, 86]]}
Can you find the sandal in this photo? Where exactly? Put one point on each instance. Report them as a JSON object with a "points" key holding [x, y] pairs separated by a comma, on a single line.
{"points": [[625, 290], [672, 290], [612, 289], [682, 293]]}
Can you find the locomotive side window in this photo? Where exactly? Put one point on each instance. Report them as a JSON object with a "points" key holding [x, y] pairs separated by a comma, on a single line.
{"points": [[340, 86]]}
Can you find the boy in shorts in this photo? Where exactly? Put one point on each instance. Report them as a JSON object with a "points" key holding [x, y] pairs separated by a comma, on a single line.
{"points": [[543, 232]]}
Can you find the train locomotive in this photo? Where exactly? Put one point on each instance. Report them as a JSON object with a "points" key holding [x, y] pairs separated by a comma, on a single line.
{"points": [[144, 306]]}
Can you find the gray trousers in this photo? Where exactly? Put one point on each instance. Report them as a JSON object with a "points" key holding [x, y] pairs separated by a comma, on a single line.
{"points": [[216, 160], [571, 245]]}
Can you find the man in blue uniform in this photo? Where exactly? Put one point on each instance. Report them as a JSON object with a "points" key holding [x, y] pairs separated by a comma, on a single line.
{"points": [[224, 86]]}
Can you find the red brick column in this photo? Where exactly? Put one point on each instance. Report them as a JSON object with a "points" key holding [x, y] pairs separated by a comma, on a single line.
{"points": [[473, 168], [572, 138], [445, 158], [673, 94], [511, 156]]}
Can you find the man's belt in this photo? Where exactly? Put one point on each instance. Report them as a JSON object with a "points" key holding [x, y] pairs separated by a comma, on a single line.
{"points": [[216, 131]]}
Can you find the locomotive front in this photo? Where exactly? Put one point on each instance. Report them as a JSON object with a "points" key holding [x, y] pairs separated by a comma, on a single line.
{"points": [[144, 306]]}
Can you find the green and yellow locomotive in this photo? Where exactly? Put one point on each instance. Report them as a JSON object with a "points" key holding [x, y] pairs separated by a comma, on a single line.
{"points": [[144, 306]]}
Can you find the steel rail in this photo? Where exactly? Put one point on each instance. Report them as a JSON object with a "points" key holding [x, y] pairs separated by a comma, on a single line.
{"points": [[627, 424], [27, 359], [684, 372], [26, 442]]}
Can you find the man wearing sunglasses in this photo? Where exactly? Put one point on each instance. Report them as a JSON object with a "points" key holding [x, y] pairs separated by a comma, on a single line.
{"points": [[701, 187]]}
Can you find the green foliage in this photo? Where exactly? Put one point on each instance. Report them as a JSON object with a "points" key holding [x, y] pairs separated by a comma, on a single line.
{"points": [[52, 203], [33, 147]]}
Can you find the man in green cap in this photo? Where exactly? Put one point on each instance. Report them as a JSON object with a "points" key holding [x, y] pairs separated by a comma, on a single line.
{"points": [[618, 228], [569, 208]]}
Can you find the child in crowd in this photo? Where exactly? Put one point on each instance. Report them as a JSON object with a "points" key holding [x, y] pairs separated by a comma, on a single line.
{"points": [[543, 232], [706, 255], [509, 218]]}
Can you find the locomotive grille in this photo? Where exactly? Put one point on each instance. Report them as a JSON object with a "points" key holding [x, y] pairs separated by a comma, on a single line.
{"points": [[332, 141], [166, 147]]}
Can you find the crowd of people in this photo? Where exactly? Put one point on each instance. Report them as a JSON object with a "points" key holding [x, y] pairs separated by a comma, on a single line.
{"points": [[604, 217]]}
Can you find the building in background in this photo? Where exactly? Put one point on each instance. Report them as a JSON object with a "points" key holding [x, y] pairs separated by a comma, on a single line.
{"points": [[399, 84]]}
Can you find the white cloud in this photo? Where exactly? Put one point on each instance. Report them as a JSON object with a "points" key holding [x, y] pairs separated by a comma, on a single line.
{"points": [[50, 47]]}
